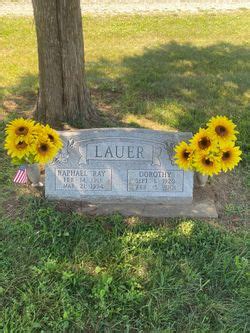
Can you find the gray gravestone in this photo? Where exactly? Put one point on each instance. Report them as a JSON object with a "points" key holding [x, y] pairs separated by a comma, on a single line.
{"points": [[119, 165]]}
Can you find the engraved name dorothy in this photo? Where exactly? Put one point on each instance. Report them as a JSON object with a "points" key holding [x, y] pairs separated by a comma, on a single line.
{"points": [[152, 180]]}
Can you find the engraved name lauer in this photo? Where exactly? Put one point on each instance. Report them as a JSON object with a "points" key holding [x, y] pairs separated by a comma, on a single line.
{"points": [[120, 152]]}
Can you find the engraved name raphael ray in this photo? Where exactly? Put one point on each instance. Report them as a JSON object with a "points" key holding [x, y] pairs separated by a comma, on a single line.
{"points": [[84, 179]]}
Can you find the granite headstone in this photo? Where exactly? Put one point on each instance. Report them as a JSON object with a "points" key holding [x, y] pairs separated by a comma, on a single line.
{"points": [[118, 165]]}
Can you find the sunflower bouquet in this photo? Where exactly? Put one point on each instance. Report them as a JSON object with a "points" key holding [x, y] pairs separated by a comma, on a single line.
{"points": [[211, 150], [28, 142]]}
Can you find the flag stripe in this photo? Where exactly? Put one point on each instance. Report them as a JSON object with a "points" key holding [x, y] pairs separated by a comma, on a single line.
{"points": [[21, 176], [17, 177]]}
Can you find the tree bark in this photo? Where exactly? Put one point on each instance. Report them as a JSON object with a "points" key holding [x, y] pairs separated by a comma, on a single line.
{"points": [[63, 96]]}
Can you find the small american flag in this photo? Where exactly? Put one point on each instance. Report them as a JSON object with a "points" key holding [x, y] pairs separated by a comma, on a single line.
{"points": [[21, 175]]}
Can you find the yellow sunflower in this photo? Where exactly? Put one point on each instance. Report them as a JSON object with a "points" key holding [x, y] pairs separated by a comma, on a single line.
{"points": [[53, 137], [207, 164], [222, 129], [17, 149], [20, 130], [39, 131], [44, 150], [230, 157], [203, 141], [183, 155]]}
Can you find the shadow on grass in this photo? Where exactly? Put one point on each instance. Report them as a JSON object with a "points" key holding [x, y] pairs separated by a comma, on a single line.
{"points": [[177, 85], [20, 98], [180, 85]]}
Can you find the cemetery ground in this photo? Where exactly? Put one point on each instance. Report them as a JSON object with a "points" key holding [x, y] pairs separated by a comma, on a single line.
{"points": [[61, 271]]}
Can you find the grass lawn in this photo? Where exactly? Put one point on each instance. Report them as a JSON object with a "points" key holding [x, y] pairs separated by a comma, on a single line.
{"points": [[62, 272]]}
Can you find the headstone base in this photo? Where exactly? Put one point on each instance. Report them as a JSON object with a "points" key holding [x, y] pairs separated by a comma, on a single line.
{"points": [[203, 206], [200, 209]]}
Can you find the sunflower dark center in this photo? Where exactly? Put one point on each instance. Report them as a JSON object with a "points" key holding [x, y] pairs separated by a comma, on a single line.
{"points": [[22, 130], [21, 145], [185, 154], [204, 143], [207, 162], [226, 155], [221, 130], [52, 139], [43, 148]]}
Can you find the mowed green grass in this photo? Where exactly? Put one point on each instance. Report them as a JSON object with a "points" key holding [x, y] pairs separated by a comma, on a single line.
{"points": [[172, 70], [66, 273], [63, 272]]}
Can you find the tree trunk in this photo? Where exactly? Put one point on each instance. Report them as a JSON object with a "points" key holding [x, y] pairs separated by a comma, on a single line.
{"points": [[63, 96]]}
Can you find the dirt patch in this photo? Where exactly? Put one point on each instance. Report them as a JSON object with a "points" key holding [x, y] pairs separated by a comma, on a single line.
{"points": [[232, 198], [19, 105]]}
